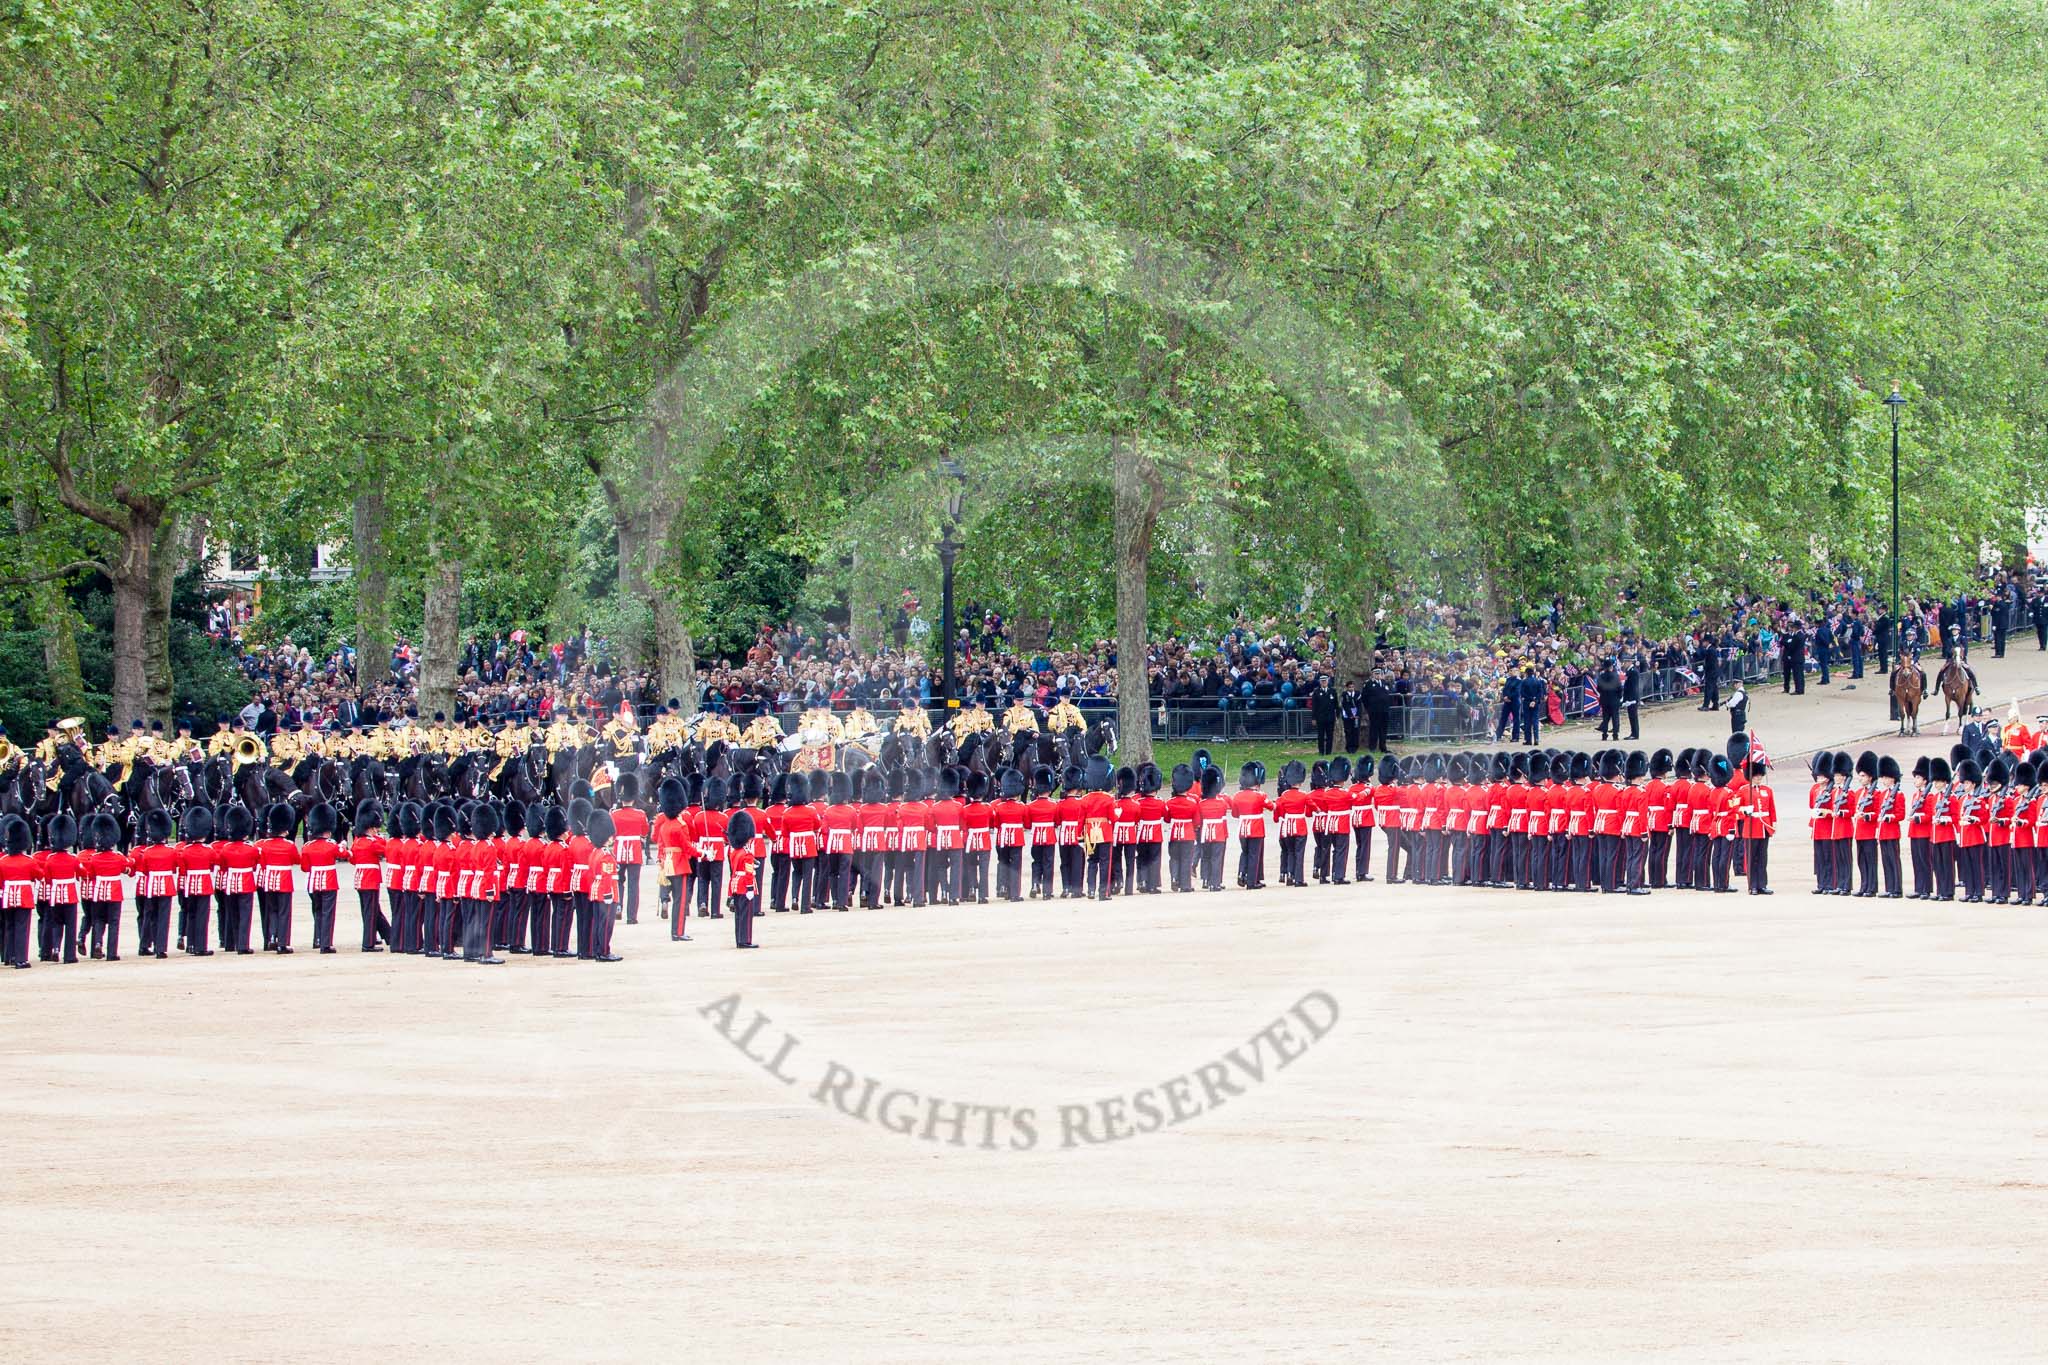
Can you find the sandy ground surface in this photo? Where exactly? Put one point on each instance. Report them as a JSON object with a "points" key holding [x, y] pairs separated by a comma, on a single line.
{"points": [[1548, 1127]]}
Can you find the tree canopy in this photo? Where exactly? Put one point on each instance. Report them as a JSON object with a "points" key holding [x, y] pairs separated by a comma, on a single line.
{"points": [[1493, 299]]}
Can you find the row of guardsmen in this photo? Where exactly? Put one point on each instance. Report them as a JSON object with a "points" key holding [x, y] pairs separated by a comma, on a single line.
{"points": [[1974, 822], [470, 879], [451, 880]]}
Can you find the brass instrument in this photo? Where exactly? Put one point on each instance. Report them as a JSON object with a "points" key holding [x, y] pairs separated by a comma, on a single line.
{"points": [[248, 749]]}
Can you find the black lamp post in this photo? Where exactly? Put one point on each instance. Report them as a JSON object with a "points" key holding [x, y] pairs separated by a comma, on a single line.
{"points": [[949, 549], [1897, 403]]}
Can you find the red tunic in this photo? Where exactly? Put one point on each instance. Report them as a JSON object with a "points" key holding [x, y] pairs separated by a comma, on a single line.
{"points": [[102, 874], [629, 836], [156, 870], [801, 827], [19, 873], [276, 861], [317, 859], [365, 856], [234, 864], [60, 873], [1250, 809]]}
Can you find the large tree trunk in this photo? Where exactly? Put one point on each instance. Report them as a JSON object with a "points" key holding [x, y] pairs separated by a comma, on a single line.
{"points": [[49, 606], [373, 590], [1140, 492], [631, 528], [166, 562], [1353, 643], [132, 582], [863, 617], [60, 648], [442, 648], [675, 654], [1029, 634], [643, 530]]}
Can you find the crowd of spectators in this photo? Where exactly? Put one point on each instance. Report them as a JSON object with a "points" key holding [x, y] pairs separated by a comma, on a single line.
{"points": [[1452, 665]]}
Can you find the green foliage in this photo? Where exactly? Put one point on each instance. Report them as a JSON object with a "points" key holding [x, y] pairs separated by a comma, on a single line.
{"points": [[1639, 271]]}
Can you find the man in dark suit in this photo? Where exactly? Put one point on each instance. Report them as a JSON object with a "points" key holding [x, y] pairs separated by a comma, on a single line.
{"points": [[1608, 687], [1529, 701], [1795, 657], [1351, 710], [1632, 667], [1379, 705], [1824, 644], [1322, 706], [1707, 659]]}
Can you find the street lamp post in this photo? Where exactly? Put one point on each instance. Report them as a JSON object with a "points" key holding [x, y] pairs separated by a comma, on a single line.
{"points": [[949, 549], [1896, 402]]}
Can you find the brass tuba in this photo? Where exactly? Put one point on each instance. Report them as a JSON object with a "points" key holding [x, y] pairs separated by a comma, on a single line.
{"points": [[248, 749]]}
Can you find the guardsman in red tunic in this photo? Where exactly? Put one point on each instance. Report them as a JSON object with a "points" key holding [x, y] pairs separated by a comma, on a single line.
{"points": [[1943, 804], [1659, 797], [1389, 796], [1863, 822], [195, 880], [1183, 810], [366, 854], [1073, 861], [1042, 820], [802, 833], [1632, 812], [1759, 823], [1008, 814], [105, 866], [234, 878], [629, 848], [1725, 822], [603, 833], [1579, 821], [744, 897], [1098, 829], [1486, 850], [978, 831], [1920, 804], [1151, 827], [1973, 827], [60, 873], [157, 864], [1891, 814], [708, 823], [20, 870], [556, 908], [1212, 827], [277, 862], [1123, 834], [2025, 810], [841, 823], [319, 860], [1819, 810], [913, 824], [1436, 795], [1248, 811], [1999, 806], [1607, 856], [1364, 818], [1460, 796]]}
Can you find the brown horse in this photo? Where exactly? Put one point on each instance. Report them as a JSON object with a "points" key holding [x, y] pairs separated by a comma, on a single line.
{"points": [[1957, 690], [1907, 689]]}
